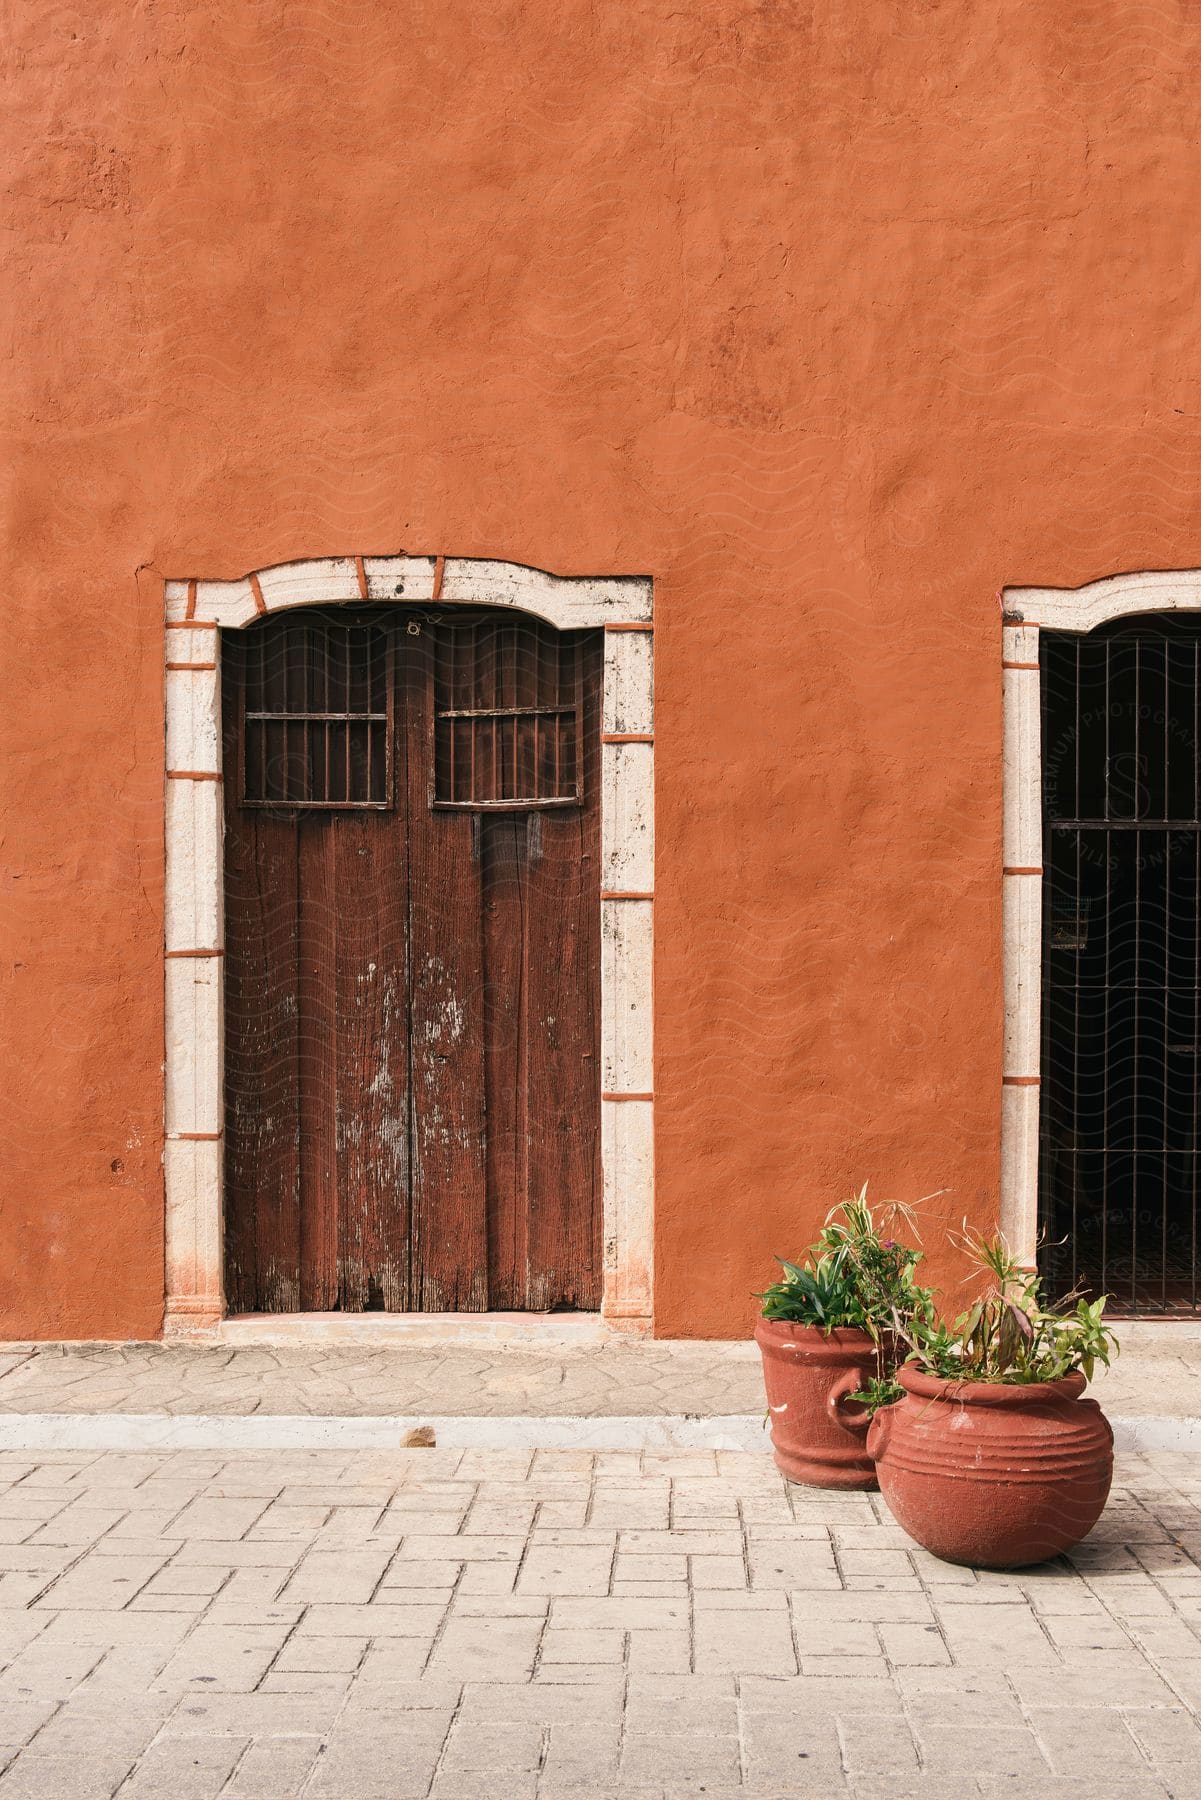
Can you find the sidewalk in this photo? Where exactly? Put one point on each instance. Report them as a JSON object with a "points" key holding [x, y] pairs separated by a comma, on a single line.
{"points": [[232, 1622], [431, 1625], [630, 1377], [612, 1394]]}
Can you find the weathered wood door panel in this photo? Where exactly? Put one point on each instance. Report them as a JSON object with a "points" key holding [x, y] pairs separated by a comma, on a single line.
{"points": [[412, 969], [540, 948], [262, 1062], [449, 1207]]}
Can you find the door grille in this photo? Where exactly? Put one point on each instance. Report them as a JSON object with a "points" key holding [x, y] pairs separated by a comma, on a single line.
{"points": [[314, 697], [506, 715], [1121, 1051]]}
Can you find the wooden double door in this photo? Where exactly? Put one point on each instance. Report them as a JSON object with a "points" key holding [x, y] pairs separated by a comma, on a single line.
{"points": [[412, 963]]}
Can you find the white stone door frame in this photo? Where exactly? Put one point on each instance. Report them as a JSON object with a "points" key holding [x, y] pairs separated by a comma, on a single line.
{"points": [[197, 612], [1026, 612]]}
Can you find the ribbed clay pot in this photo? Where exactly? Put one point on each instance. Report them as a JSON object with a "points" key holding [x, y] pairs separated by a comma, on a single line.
{"points": [[992, 1474], [816, 1436]]}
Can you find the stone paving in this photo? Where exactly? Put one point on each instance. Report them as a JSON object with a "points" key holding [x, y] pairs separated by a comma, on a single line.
{"points": [[1158, 1373], [541, 1625], [622, 1377]]}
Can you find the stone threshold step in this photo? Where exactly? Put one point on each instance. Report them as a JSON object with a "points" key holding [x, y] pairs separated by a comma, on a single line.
{"points": [[235, 1431], [375, 1330]]}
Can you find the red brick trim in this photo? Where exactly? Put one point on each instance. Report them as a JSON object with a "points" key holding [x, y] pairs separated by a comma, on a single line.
{"points": [[195, 1137], [1021, 1081], [1017, 665], [193, 775], [172, 953], [627, 1096], [627, 737], [260, 605], [191, 612], [1021, 871], [634, 627], [613, 894], [192, 625], [439, 571], [361, 572], [172, 665]]}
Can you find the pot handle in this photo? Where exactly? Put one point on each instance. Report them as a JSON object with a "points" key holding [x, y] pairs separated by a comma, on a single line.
{"points": [[877, 1439], [848, 1383]]}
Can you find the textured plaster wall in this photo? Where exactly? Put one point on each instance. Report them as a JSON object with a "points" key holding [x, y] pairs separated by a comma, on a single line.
{"points": [[831, 316]]}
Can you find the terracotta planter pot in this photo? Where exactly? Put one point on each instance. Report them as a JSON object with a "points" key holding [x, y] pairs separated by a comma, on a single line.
{"points": [[993, 1475], [817, 1437]]}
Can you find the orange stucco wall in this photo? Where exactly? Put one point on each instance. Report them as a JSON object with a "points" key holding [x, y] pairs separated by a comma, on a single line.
{"points": [[833, 317]]}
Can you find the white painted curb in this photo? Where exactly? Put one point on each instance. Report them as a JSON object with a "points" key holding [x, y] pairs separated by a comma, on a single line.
{"points": [[228, 1431], [232, 1431], [1156, 1433]]}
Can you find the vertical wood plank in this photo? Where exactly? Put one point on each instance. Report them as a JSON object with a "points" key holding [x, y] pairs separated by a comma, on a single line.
{"points": [[448, 1231], [372, 1062], [262, 1150], [503, 865], [317, 847], [561, 1028]]}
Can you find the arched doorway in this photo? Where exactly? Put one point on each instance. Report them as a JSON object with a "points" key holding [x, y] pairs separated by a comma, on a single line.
{"points": [[1121, 961], [412, 988], [206, 622]]}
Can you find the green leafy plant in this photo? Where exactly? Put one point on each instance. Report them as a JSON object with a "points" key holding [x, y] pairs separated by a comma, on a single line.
{"points": [[881, 1390], [1009, 1334], [855, 1277]]}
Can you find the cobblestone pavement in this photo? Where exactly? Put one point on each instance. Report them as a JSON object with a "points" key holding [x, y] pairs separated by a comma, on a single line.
{"points": [[1158, 1373], [537, 1625]]}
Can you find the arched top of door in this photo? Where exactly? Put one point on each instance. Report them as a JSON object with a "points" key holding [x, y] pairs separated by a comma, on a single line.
{"points": [[570, 603], [1115, 597]]}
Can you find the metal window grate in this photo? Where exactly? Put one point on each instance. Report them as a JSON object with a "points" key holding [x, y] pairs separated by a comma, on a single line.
{"points": [[315, 699], [506, 715], [1120, 1154]]}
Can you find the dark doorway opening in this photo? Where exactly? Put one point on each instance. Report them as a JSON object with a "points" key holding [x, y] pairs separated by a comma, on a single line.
{"points": [[1121, 978]]}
